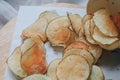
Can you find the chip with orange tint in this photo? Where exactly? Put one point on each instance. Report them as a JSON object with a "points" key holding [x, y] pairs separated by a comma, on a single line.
{"points": [[34, 61]]}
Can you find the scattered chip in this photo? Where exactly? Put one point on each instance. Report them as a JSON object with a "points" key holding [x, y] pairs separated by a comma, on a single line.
{"points": [[51, 72], [14, 63], [73, 67], [58, 32], [96, 73], [104, 23]]}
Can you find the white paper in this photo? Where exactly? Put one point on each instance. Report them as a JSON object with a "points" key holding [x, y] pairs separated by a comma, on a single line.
{"points": [[28, 15]]}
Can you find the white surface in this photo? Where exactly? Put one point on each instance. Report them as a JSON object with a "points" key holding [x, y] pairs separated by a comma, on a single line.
{"points": [[27, 15]]}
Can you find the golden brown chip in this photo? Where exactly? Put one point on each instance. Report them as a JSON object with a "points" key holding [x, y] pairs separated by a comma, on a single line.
{"points": [[34, 61], [82, 52], [38, 28], [77, 44], [27, 44], [58, 32], [49, 15], [95, 50], [76, 21], [112, 46], [14, 64], [88, 34], [86, 18], [73, 67], [72, 38], [101, 38], [104, 23], [96, 74], [92, 26], [51, 72]]}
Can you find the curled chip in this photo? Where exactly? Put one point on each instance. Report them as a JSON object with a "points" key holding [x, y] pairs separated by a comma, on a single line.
{"points": [[38, 28], [58, 32], [51, 72], [49, 15], [33, 60], [101, 38], [88, 34], [77, 44], [14, 63], [112, 46], [73, 67], [86, 18], [95, 50], [104, 23], [96, 73], [76, 21], [82, 52]]}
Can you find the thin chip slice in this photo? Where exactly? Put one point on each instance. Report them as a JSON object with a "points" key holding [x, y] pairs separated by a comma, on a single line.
{"points": [[95, 50], [37, 77], [38, 28], [92, 26], [49, 15], [96, 74], [86, 18], [58, 32], [73, 67], [72, 38], [88, 35], [76, 21], [77, 44], [101, 38], [34, 61], [51, 72], [27, 44], [14, 64], [104, 23], [82, 52], [112, 46]]}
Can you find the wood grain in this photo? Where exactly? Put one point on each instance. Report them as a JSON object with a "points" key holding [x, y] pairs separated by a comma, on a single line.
{"points": [[6, 34]]}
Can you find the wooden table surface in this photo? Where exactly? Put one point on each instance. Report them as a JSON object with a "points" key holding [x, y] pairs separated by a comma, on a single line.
{"points": [[6, 34]]}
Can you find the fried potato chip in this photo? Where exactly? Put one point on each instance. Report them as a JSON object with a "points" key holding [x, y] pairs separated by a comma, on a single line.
{"points": [[82, 52], [37, 77], [101, 38], [49, 15], [88, 34], [86, 18], [38, 28], [76, 21], [92, 26], [51, 72], [27, 44], [95, 50], [34, 61], [112, 46], [71, 39], [58, 32], [77, 44], [104, 23], [14, 64], [73, 67], [96, 74]]}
